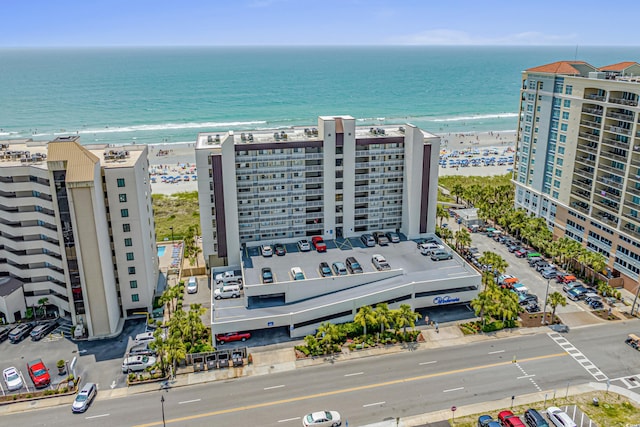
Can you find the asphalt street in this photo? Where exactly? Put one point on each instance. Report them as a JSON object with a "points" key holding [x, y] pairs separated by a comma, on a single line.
{"points": [[373, 389]]}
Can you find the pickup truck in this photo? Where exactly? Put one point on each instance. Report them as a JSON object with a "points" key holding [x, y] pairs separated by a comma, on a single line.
{"points": [[229, 277], [232, 336]]}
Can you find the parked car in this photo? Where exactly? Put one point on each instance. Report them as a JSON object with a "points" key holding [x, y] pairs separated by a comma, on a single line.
{"points": [[4, 333], [441, 254], [322, 419], [232, 337], [532, 307], [192, 285], [381, 238], [368, 240], [429, 248], [227, 291], [84, 398], [549, 273], [325, 270], [570, 285], [353, 265], [144, 337], [514, 248], [339, 268], [141, 349], [319, 244], [137, 363], [304, 245], [280, 249], [559, 417], [297, 273], [229, 277], [520, 253], [633, 340], [487, 421], [596, 305], [267, 275], [533, 261], [380, 262], [12, 379], [542, 265], [39, 373], [577, 293], [533, 418], [393, 237], [43, 330], [526, 299], [266, 250], [565, 277], [20, 332], [508, 419]]}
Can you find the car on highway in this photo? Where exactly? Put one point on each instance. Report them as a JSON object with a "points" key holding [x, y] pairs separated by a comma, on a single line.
{"points": [[325, 270], [192, 285], [84, 398], [42, 330], [353, 265], [297, 273], [279, 249], [393, 237], [380, 263], [12, 379], [232, 337], [533, 418], [319, 244], [304, 245], [137, 363], [266, 250], [340, 269], [508, 419], [39, 373], [559, 417], [20, 332], [267, 275], [322, 419]]}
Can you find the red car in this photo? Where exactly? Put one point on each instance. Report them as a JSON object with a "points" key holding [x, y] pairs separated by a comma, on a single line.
{"points": [[319, 244], [508, 419], [39, 373], [232, 336]]}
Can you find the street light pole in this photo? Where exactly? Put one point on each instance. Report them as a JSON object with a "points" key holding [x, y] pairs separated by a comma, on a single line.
{"points": [[544, 309], [162, 402], [171, 228]]}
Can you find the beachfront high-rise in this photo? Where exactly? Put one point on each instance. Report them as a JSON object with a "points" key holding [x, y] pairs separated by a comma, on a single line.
{"points": [[77, 229], [578, 157], [334, 181]]}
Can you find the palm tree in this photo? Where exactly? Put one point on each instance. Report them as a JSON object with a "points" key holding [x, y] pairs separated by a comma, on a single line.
{"points": [[42, 302], [365, 316], [485, 302], [329, 335], [509, 306], [463, 238], [598, 262], [383, 316], [441, 213], [406, 317], [457, 189], [160, 346], [556, 299], [193, 326], [176, 351]]}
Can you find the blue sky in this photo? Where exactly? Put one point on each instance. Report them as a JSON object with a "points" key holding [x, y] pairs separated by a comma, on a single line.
{"points": [[36, 23]]}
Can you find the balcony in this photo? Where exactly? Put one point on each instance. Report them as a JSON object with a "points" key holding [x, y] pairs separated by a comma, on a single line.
{"points": [[619, 130], [594, 111], [586, 195], [615, 182], [595, 97], [589, 136], [622, 101], [580, 206], [620, 116], [590, 147], [615, 156], [586, 160], [590, 123], [585, 172], [615, 143], [619, 172], [607, 204]]}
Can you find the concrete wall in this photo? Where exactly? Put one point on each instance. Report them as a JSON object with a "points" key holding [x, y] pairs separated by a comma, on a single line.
{"points": [[11, 303]]}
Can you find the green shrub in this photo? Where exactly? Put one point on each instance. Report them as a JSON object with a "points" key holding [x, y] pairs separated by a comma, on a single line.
{"points": [[303, 349]]}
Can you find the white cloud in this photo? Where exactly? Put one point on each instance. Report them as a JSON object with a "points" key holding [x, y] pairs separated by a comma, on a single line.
{"points": [[456, 37]]}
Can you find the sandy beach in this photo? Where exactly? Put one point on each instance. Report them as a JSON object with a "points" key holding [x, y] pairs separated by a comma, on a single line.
{"points": [[179, 159]]}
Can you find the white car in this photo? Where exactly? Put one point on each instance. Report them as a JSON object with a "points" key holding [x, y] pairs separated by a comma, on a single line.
{"points": [[266, 250], [322, 418], [297, 273], [380, 263], [429, 248], [192, 285], [304, 245], [559, 417], [12, 379]]}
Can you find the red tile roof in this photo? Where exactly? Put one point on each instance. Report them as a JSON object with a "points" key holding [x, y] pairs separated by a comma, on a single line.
{"points": [[620, 66], [560, 67]]}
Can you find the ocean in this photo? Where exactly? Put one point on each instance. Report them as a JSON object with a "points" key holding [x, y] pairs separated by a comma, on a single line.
{"points": [[167, 95]]}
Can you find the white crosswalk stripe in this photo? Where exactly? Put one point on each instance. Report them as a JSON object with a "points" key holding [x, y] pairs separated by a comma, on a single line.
{"points": [[578, 356]]}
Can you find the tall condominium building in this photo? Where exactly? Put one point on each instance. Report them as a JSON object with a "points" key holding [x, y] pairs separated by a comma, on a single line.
{"points": [[578, 157], [77, 229], [334, 181]]}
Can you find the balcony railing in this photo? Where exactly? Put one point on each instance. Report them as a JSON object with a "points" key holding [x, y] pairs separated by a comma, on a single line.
{"points": [[623, 101], [594, 111], [615, 143], [595, 97], [589, 136], [590, 123], [618, 129], [626, 117]]}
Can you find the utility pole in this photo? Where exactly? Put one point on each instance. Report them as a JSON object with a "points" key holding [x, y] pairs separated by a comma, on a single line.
{"points": [[544, 309], [162, 402]]}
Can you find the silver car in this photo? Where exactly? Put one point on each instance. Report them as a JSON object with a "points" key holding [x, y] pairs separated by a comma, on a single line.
{"points": [[84, 398]]}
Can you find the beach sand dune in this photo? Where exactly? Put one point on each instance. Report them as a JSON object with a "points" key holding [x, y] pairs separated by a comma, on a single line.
{"points": [[180, 159]]}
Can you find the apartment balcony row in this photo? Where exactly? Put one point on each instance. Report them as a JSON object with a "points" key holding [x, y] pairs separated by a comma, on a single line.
{"points": [[615, 142], [606, 217], [620, 116], [595, 97], [590, 123], [623, 101], [580, 206], [632, 228], [254, 169], [635, 190], [631, 214], [632, 201], [615, 171], [586, 160], [586, 195], [613, 155], [607, 204], [591, 147], [586, 172], [21, 271], [18, 246], [589, 136], [612, 180], [380, 151], [583, 183], [605, 190], [593, 111], [618, 130]]}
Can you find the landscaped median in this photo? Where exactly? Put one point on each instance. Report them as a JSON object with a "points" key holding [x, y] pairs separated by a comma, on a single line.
{"points": [[67, 387]]}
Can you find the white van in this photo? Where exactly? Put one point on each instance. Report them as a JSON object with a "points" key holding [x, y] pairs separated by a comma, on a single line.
{"points": [[560, 418], [227, 291]]}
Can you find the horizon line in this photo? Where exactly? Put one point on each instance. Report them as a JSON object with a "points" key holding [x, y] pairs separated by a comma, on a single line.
{"points": [[107, 46]]}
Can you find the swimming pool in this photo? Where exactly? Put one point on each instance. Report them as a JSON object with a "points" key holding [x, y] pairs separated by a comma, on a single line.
{"points": [[161, 250]]}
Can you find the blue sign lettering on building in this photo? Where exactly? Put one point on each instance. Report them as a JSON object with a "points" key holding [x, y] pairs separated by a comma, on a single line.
{"points": [[269, 323], [445, 300]]}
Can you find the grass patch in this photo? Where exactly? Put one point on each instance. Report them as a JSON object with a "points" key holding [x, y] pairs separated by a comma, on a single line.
{"points": [[179, 210]]}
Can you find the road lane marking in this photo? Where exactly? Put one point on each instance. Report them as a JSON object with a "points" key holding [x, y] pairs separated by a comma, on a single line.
{"points": [[496, 352], [526, 376], [275, 386], [189, 401], [96, 416], [578, 356], [453, 389], [354, 374], [288, 419], [373, 404], [427, 363], [347, 390]]}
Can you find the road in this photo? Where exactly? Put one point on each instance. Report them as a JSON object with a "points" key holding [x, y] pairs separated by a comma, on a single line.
{"points": [[374, 389]]}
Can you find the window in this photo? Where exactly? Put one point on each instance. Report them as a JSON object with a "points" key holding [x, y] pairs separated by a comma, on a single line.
{"points": [[120, 182], [135, 297], [567, 103], [133, 284], [129, 256], [132, 270], [560, 150], [126, 228], [128, 242], [568, 89], [564, 127], [123, 197], [124, 213], [565, 115]]}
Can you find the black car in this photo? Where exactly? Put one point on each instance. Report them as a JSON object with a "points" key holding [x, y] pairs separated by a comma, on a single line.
{"points": [[279, 249], [527, 299], [4, 334], [596, 305], [532, 307], [353, 265], [325, 270], [267, 275], [534, 419]]}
